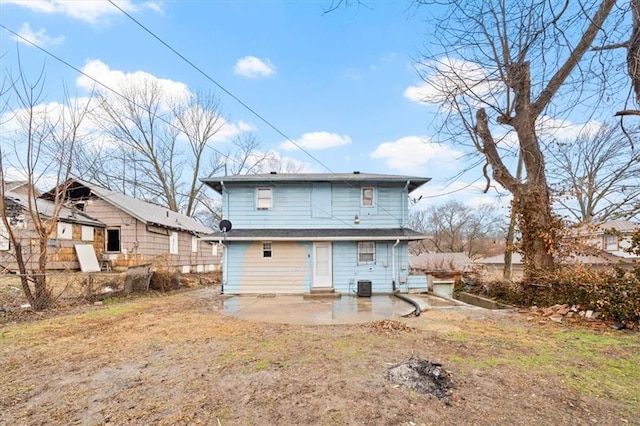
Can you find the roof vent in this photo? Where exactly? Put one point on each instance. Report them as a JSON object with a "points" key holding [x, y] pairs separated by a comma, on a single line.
{"points": [[356, 172], [274, 173]]}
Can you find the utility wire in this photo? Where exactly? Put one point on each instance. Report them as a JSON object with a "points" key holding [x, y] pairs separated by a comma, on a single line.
{"points": [[57, 58], [221, 87], [134, 103], [254, 112]]}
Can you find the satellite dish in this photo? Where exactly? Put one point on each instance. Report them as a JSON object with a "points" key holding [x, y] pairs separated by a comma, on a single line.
{"points": [[225, 225]]}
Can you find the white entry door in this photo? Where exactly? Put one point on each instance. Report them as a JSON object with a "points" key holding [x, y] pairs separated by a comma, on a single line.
{"points": [[322, 276]]}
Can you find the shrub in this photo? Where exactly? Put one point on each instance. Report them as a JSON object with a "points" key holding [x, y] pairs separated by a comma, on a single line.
{"points": [[614, 292], [164, 280]]}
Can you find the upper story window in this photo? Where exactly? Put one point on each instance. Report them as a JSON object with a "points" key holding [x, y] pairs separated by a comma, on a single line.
{"points": [[264, 198], [367, 197], [610, 242]]}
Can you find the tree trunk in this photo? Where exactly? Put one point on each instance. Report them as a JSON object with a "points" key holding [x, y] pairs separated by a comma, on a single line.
{"points": [[531, 200], [537, 226], [24, 279], [42, 293]]}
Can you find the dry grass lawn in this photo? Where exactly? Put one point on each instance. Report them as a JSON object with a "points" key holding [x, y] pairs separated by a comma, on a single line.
{"points": [[177, 360]]}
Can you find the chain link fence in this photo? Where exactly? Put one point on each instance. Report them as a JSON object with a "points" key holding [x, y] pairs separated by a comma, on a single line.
{"points": [[60, 290]]}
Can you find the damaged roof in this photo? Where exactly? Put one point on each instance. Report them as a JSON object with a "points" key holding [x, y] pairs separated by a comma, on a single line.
{"points": [[147, 213], [46, 208]]}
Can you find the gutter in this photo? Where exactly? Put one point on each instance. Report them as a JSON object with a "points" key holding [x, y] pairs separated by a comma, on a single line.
{"points": [[311, 238]]}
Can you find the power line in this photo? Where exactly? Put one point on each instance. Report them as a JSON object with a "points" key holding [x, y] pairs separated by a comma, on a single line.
{"points": [[57, 58], [254, 112], [125, 98], [221, 87]]}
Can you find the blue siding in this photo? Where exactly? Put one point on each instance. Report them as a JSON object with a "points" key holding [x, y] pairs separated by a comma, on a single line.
{"points": [[347, 272], [233, 260], [312, 207], [321, 205], [315, 205]]}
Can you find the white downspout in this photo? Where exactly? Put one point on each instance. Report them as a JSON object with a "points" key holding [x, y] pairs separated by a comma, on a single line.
{"points": [[225, 259], [225, 255], [393, 264]]}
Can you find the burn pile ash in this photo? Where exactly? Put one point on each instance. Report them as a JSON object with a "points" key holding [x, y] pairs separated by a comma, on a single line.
{"points": [[422, 376]]}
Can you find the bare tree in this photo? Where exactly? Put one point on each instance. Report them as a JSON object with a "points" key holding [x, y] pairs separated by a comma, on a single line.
{"points": [[157, 147], [199, 120], [456, 228], [597, 177], [502, 67], [137, 126], [42, 148]]}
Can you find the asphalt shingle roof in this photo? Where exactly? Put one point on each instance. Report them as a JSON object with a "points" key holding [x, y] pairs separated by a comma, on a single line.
{"points": [[46, 209], [280, 178], [146, 212]]}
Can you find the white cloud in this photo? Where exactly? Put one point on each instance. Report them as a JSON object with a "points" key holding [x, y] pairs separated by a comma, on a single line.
{"points": [[564, 130], [124, 83], [39, 38], [411, 153], [88, 11], [128, 83], [229, 130], [253, 67], [447, 79], [316, 141]]}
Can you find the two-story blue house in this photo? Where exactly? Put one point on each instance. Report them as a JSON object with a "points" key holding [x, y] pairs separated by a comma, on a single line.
{"points": [[306, 233]]}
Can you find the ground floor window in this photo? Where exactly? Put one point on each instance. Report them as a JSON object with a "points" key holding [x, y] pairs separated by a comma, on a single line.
{"points": [[366, 253], [266, 250], [173, 243], [610, 242], [113, 240]]}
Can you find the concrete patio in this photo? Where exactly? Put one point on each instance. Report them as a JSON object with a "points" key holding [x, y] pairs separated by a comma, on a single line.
{"points": [[298, 309]]}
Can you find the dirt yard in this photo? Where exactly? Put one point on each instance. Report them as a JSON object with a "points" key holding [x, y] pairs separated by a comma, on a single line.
{"points": [[177, 360]]}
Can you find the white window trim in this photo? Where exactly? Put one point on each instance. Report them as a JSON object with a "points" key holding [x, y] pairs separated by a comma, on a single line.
{"points": [[106, 239], [267, 246], [174, 240], [4, 237], [65, 231], [258, 204], [606, 243], [362, 197], [360, 251], [194, 244]]}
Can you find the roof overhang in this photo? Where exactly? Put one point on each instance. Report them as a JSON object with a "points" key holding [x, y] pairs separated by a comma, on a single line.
{"points": [[316, 235], [411, 182]]}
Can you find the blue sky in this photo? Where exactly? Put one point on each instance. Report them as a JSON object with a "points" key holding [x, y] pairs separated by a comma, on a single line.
{"points": [[339, 84]]}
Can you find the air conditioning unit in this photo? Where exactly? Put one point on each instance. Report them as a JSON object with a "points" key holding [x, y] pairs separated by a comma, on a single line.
{"points": [[364, 288]]}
